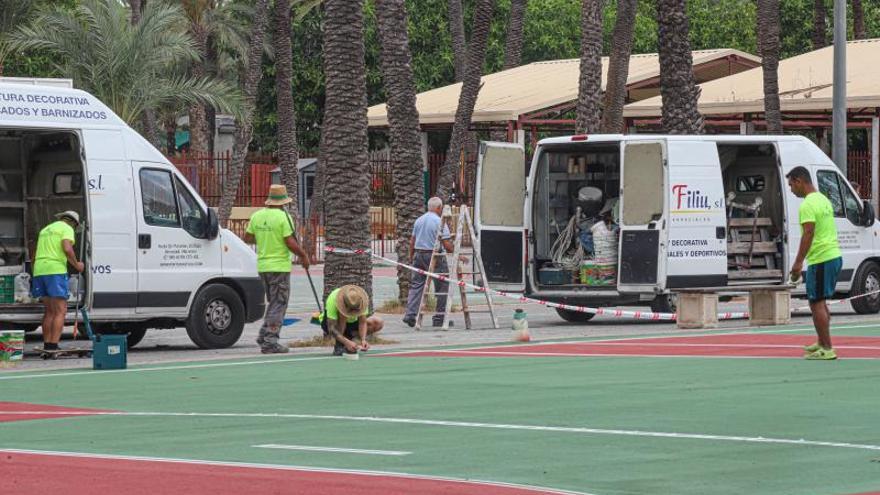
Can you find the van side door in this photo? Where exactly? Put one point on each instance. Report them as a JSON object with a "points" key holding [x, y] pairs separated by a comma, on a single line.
{"points": [[856, 240], [175, 256]]}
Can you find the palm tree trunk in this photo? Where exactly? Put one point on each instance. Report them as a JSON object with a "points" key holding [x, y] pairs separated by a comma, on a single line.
{"points": [[679, 91], [768, 48], [820, 28], [136, 10], [344, 146], [210, 112], [468, 97], [198, 121], [244, 132], [403, 120], [288, 154], [459, 42], [858, 20], [618, 66], [148, 122], [170, 136], [590, 84], [514, 43]]}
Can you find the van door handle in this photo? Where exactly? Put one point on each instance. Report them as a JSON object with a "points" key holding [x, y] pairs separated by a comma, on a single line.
{"points": [[720, 233], [145, 241]]}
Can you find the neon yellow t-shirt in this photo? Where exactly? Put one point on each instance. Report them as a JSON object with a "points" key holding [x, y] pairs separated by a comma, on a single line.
{"points": [[817, 209], [332, 310], [270, 226], [50, 258]]}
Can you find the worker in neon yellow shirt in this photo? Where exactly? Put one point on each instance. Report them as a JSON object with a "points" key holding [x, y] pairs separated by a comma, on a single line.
{"points": [[347, 318], [272, 230], [820, 248], [50, 283]]}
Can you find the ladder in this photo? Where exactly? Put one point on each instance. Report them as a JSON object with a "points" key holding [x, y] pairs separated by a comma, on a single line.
{"points": [[466, 262]]}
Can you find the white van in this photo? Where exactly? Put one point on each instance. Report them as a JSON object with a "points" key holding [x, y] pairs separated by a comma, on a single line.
{"points": [[155, 257], [692, 211]]}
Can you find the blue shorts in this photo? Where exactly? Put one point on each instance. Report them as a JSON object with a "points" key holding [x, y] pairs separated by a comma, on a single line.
{"points": [[822, 279], [50, 286]]}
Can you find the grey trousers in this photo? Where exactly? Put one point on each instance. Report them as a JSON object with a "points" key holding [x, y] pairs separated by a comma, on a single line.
{"points": [[277, 287], [417, 285]]}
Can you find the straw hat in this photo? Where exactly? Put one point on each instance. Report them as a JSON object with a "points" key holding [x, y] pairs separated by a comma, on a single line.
{"points": [[69, 214], [351, 301], [278, 195]]}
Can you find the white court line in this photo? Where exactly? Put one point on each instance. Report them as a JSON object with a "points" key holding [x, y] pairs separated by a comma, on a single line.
{"points": [[310, 448], [282, 467], [479, 353], [466, 424], [748, 346], [20, 375]]}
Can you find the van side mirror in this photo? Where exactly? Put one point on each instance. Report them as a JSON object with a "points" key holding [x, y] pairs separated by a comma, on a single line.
{"points": [[212, 229], [868, 215]]}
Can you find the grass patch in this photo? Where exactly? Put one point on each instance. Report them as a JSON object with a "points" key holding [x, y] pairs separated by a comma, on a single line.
{"points": [[395, 307]]}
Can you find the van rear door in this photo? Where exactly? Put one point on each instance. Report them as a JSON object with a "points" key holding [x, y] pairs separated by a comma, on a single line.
{"points": [[697, 231], [642, 218], [498, 214]]}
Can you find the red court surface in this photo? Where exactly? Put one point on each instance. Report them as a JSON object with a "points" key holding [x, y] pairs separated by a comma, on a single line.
{"points": [[82, 475], [23, 406], [730, 345]]}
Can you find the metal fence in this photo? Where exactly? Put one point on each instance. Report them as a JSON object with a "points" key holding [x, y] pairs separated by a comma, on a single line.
{"points": [[858, 170], [209, 173]]}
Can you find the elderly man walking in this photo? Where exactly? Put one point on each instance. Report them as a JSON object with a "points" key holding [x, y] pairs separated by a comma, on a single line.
{"points": [[422, 246], [272, 230]]}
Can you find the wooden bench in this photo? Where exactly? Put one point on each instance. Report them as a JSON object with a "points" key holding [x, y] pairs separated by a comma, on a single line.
{"points": [[768, 305]]}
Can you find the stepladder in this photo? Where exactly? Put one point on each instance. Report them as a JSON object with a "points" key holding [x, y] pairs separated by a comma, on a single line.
{"points": [[465, 267]]}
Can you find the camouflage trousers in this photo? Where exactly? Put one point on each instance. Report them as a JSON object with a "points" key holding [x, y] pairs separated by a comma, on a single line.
{"points": [[277, 287]]}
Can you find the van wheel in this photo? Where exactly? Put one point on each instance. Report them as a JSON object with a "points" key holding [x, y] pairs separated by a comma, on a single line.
{"points": [[867, 280], [216, 318], [665, 303], [574, 316]]}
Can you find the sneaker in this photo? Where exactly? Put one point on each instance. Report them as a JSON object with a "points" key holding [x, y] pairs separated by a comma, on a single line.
{"points": [[809, 349], [410, 322], [275, 349], [821, 355], [261, 341]]}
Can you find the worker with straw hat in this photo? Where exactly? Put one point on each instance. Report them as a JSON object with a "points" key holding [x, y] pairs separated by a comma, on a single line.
{"points": [[346, 314], [50, 284], [272, 229]]}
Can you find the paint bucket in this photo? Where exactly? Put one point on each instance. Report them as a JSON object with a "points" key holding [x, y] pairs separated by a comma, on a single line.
{"points": [[352, 356], [11, 347]]}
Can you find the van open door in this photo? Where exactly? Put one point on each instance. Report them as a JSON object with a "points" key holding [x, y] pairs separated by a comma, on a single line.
{"points": [[498, 214], [642, 216]]}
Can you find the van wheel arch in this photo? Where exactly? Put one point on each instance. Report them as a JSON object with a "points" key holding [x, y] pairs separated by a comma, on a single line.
{"points": [[866, 279]]}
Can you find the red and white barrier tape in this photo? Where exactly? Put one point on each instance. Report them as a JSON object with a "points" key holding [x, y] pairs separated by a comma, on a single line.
{"points": [[615, 313]]}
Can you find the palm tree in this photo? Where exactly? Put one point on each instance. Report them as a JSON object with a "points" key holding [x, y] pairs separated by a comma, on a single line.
{"points": [[590, 84], [618, 66], [768, 49], [288, 154], [468, 97], [403, 120], [130, 68], [679, 92], [455, 14], [12, 14], [244, 133], [820, 26], [514, 43], [858, 20], [344, 145]]}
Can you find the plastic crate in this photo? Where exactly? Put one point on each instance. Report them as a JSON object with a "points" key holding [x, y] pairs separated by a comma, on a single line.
{"points": [[7, 289]]}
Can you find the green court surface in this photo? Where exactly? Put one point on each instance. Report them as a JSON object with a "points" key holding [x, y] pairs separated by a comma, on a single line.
{"points": [[638, 424]]}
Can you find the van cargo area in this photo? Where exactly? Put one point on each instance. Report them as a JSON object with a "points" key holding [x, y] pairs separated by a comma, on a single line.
{"points": [[576, 213], [41, 174]]}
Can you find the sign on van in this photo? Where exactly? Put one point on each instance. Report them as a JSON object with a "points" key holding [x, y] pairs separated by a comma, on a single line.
{"points": [[42, 104]]}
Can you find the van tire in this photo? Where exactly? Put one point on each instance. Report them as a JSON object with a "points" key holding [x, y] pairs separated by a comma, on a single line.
{"points": [[216, 319], [867, 280], [574, 316], [665, 303]]}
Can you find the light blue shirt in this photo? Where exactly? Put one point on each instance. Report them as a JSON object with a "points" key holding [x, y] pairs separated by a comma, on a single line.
{"points": [[425, 230]]}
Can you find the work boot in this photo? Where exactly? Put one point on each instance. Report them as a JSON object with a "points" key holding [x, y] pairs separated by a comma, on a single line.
{"points": [[275, 349], [410, 322], [439, 323]]}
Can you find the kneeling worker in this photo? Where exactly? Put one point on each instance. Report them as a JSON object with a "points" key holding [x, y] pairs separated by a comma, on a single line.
{"points": [[50, 284], [346, 313]]}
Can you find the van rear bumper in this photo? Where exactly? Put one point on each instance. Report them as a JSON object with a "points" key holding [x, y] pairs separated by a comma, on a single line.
{"points": [[254, 297]]}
